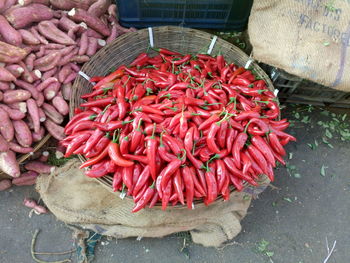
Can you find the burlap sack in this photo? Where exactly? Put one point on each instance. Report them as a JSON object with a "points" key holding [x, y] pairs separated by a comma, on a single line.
{"points": [[76, 199], [307, 38]]}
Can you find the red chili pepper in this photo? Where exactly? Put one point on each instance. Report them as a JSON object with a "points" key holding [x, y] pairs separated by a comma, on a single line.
{"points": [[98, 103], [237, 148], [279, 158], [255, 166], [173, 144], [258, 157], [142, 180], [85, 115], [147, 196], [127, 174], [259, 123], [124, 142], [154, 199], [109, 126], [114, 75], [237, 182], [117, 179], [168, 171], [99, 171], [212, 188], [246, 115], [136, 134], [221, 174], [167, 52], [167, 191], [188, 140], [151, 149], [178, 184], [274, 111], [210, 139], [76, 143], [236, 172], [140, 158], [189, 186], [264, 148], [205, 57], [93, 139], [246, 162], [99, 147], [115, 155], [230, 137], [140, 60], [236, 73]]}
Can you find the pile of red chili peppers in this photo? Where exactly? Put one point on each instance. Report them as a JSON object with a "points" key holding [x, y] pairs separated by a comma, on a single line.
{"points": [[177, 128]]}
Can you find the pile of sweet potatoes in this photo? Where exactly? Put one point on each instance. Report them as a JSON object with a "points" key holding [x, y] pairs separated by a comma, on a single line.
{"points": [[43, 43]]}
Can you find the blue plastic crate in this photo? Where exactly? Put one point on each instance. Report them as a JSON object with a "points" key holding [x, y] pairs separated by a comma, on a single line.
{"points": [[219, 14]]}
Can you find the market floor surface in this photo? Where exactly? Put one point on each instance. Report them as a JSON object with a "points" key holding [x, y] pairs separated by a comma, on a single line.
{"points": [[307, 206]]}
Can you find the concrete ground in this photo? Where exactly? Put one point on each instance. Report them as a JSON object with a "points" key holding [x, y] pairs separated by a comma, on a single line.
{"points": [[290, 222]]}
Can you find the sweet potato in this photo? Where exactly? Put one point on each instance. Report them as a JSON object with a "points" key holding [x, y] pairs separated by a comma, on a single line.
{"points": [[23, 16], [9, 34], [13, 113], [21, 106], [41, 52], [40, 100], [99, 7], [80, 59], [52, 113], [38, 209], [42, 116], [28, 87], [4, 85], [22, 133], [55, 130], [67, 91], [47, 62], [69, 4], [75, 67], [51, 32], [92, 48], [92, 33], [44, 156], [71, 77], [49, 73], [54, 46], [1, 96], [27, 178], [39, 167], [66, 59], [114, 34], [51, 91], [66, 24], [6, 75], [19, 149], [9, 164], [64, 72], [11, 96], [28, 37], [29, 61], [67, 50], [38, 136], [26, 75], [80, 15], [6, 126], [43, 85], [5, 184], [4, 145], [27, 2], [61, 105], [10, 53], [35, 32], [33, 111], [15, 69], [2, 4]]}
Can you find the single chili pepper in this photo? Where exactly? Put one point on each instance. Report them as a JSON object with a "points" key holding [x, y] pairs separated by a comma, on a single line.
{"points": [[225, 191], [140, 158], [115, 155], [230, 137], [283, 135], [183, 128], [79, 150], [173, 144], [156, 118], [136, 134], [281, 126], [205, 154], [208, 122], [221, 174], [96, 78], [197, 184], [136, 175], [246, 162], [214, 128], [236, 73], [246, 115], [205, 57], [85, 115], [189, 186], [127, 174], [285, 141], [270, 173], [102, 170], [93, 139], [255, 166], [96, 159], [81, 125], [260, 128], [141, 193], [124, 142], [212, 187], [188, 140], [236, 172], [140, 60], [168, 171], [109, 126], [167, 191], [237, 182], [264, 148], [194, 101], [167, 52], [142, 180], [154, 199], [274, 111], [220, 61], [258, 157], [178, 184], [151, 149], [148, 109], [98, 103], [237, 148], [117, 179], [114, 75], [279, 158], [147, 196], [75, 144]]}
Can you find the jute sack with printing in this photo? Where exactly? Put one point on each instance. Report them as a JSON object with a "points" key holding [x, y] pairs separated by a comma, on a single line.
{"points": [[81, 201], [307, 38]]}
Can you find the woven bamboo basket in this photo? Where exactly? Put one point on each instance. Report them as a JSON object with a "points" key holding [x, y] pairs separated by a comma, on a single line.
{"points": [[23, 157], [127, 47]]}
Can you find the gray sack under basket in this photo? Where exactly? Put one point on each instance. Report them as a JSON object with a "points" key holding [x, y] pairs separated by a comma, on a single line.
{"points": [[78, 200]]}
